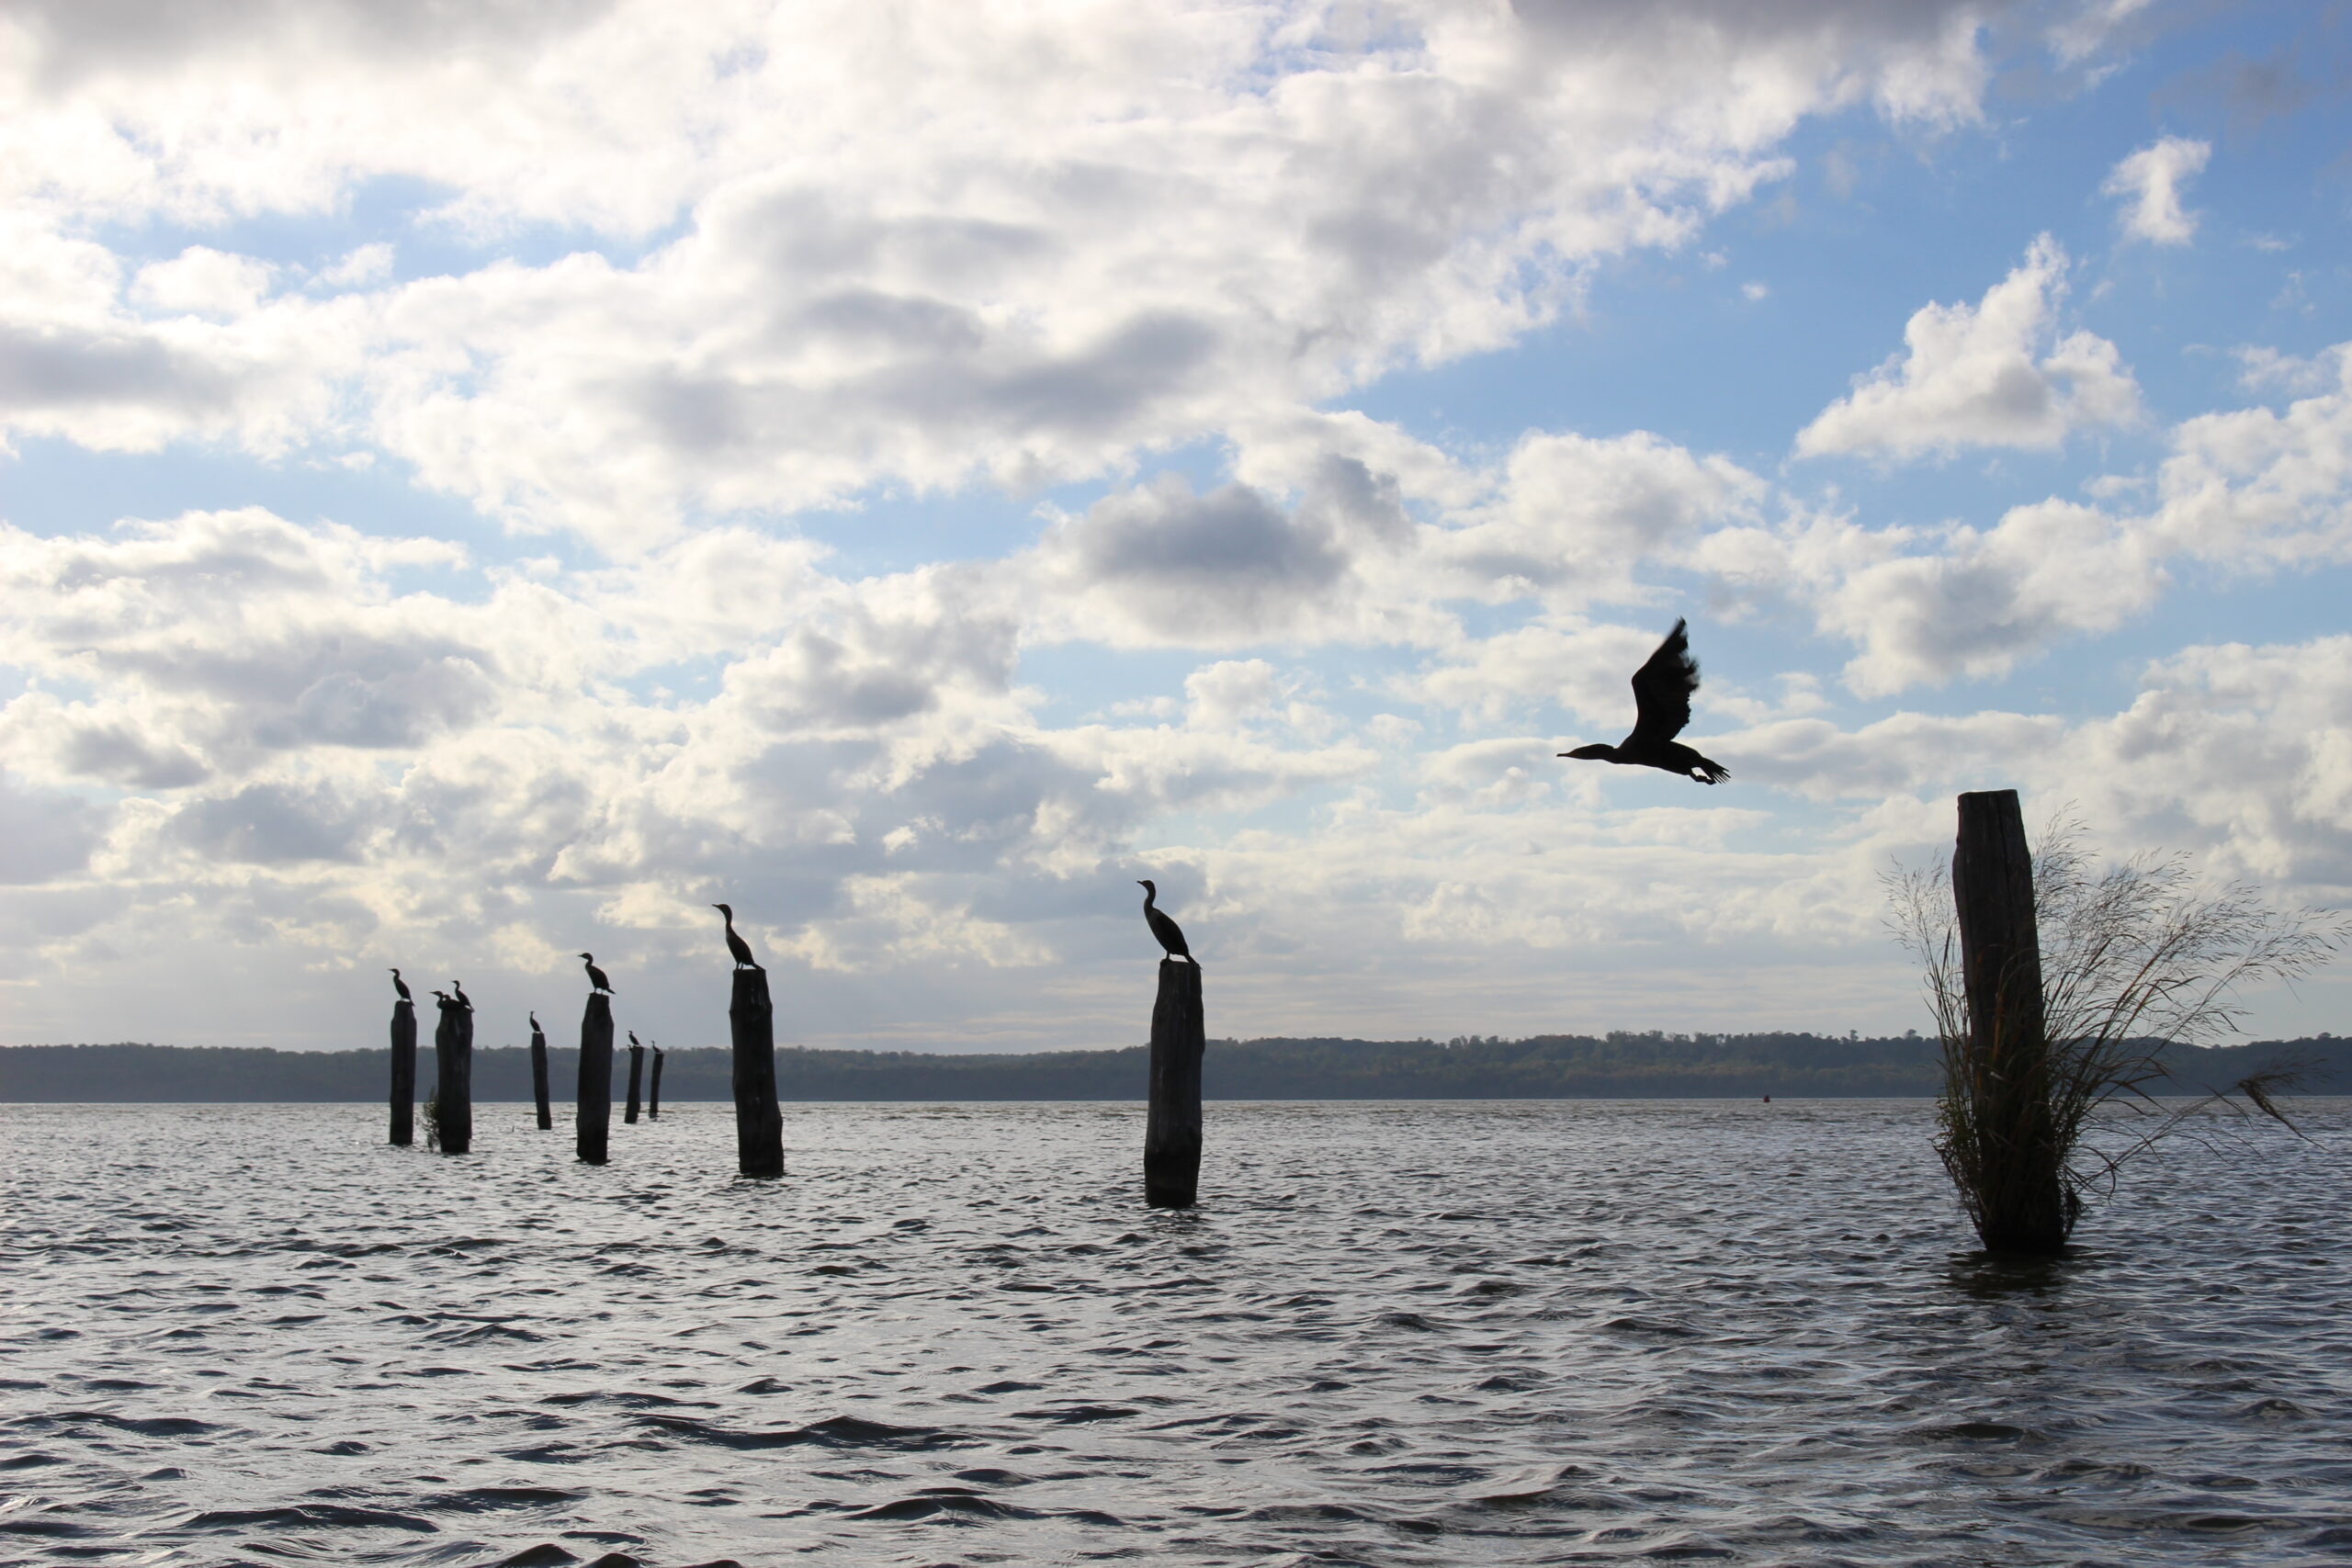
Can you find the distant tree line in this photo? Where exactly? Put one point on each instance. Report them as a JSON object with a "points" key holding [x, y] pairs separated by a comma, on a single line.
{"points": [[1546, 1066]]}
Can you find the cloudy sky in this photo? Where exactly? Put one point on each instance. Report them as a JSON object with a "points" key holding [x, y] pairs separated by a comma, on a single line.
{"points": [[485, 481]]}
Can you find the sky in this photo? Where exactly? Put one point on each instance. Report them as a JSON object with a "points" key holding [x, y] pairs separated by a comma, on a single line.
{"points": [[481, 483]]}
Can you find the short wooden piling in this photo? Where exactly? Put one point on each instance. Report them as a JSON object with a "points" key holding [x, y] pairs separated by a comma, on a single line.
{"points": [[1172, 1138], [539, 1074], [592, 1119], [2021, 1203], [404, 1095], [635, 1079], [453, 1088], [759, 1124], [653, 1095]]}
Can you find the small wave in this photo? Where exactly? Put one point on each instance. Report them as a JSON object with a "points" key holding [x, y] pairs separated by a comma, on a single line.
{"points": [[331, 1514], [834, 1432]]}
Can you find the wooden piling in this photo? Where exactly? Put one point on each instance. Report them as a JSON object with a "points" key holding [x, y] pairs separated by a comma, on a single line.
{"points": [[2021, 1205], [592, 1119], [539, 1075], [653, 1097], [635, 1079], [404, 1094], [1172, 1138], [759, 1124], [453, 1088]]}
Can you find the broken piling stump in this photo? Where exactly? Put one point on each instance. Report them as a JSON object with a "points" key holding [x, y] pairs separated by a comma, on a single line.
{"points": [[2020, 1201], [1172, 1138], [453, 1088], [592, 1118], [636, 1077], [759, 1124], [653, 1095], [539, 1072], [403, 1091]]}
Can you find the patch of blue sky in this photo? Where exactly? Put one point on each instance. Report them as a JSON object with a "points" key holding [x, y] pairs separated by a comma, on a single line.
{"points": [[412, 215]]}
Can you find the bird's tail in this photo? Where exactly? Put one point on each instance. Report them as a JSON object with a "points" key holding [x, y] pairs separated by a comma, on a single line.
{"points": [[1710, 772]]}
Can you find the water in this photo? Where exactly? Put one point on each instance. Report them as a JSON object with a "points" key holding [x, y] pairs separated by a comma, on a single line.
{"points": [[1415, 1334]]}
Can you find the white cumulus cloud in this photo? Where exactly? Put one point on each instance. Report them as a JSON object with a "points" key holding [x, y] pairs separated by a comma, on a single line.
{"points": [[2149, 183]]}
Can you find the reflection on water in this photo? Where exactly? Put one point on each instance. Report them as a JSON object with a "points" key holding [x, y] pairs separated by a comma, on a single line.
{"points": [[1432, 1334]]}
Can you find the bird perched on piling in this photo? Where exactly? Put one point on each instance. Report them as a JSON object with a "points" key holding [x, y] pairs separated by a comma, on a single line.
{"points": [[441, 998], [736, 944], [534, 1023], [1170, 934], [596, 981], [632, 1041], [463, 1001], [1662, 689], [401, 986]]}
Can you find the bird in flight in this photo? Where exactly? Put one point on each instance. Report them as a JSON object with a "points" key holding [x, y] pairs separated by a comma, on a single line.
{"points": [[401, 986], [736, 944], [1170, 935], [1662, 689], [596, 981]]}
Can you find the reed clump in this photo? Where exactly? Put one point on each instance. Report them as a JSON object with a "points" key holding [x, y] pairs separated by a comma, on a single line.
{"points": [[2136, 956]]}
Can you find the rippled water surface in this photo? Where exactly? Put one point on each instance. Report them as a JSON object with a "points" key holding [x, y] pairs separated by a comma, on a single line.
{"points": [[1440, 1333]]}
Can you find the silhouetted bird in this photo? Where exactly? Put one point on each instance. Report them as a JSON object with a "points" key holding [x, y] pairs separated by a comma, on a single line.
{"points": [[463, 1001], [441, 998], [632, 1041], [596, 981], [534, 1023], [401, 986], [1170, 934], [736, 944], [1662, 690]]}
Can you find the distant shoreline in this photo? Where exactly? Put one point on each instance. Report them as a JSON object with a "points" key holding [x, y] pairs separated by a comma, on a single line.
{"points": [[1613, 1066]]}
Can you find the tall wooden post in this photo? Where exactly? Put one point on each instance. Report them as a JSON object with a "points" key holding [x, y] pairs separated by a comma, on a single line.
{"points": [[1171, 1136], [403, 1105], [2020, 1202], [759, 1124], [539, 1074], [453, 1090], [635, 1079], [653, 1097], [592, 1121]]}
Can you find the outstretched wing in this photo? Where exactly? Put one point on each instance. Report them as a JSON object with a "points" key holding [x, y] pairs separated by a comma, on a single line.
{"points": [[1662, 688]]}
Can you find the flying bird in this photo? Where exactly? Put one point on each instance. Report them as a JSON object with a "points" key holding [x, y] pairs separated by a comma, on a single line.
{"points": [[596, 981], [1170, 935], [736, 944], [401, 986], [1662, 690]]}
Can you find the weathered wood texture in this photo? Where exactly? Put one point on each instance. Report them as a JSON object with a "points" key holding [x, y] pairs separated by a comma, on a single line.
{"points": [[540, 1077], [636, 1082], [2022, 1206], [759, 1123], [404, 1093], [653, 1091], [1172, 1138], [453, 1085], [592, 1119]]}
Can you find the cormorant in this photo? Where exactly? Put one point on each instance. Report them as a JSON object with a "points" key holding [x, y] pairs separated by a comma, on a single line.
{"points": [[1170, 934], [1662, 690], [632, 1041], [736, 944], [401, 986], [463, 1001], [535, 1022], [596, 981], [441, 998]]}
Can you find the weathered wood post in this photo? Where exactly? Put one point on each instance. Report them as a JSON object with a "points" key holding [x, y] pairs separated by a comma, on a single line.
{"points": [[2020, 1201], [539, 1072], [403, 1072], [453, 1065], [636, 1076], [759, 1124], [653, 1095], [592, 1121], [1171, 1136]]}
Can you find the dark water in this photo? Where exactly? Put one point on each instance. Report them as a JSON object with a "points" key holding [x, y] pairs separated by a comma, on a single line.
{"points": [[1440, 1333]]}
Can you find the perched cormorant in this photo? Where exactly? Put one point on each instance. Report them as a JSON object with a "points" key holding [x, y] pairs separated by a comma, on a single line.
{"points": [[1662, 690], [736, 944], [596, 981], [441, 998], [632, 1041], [535, 1022], [401, 986], [1170, 935], [463, 1001]]}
